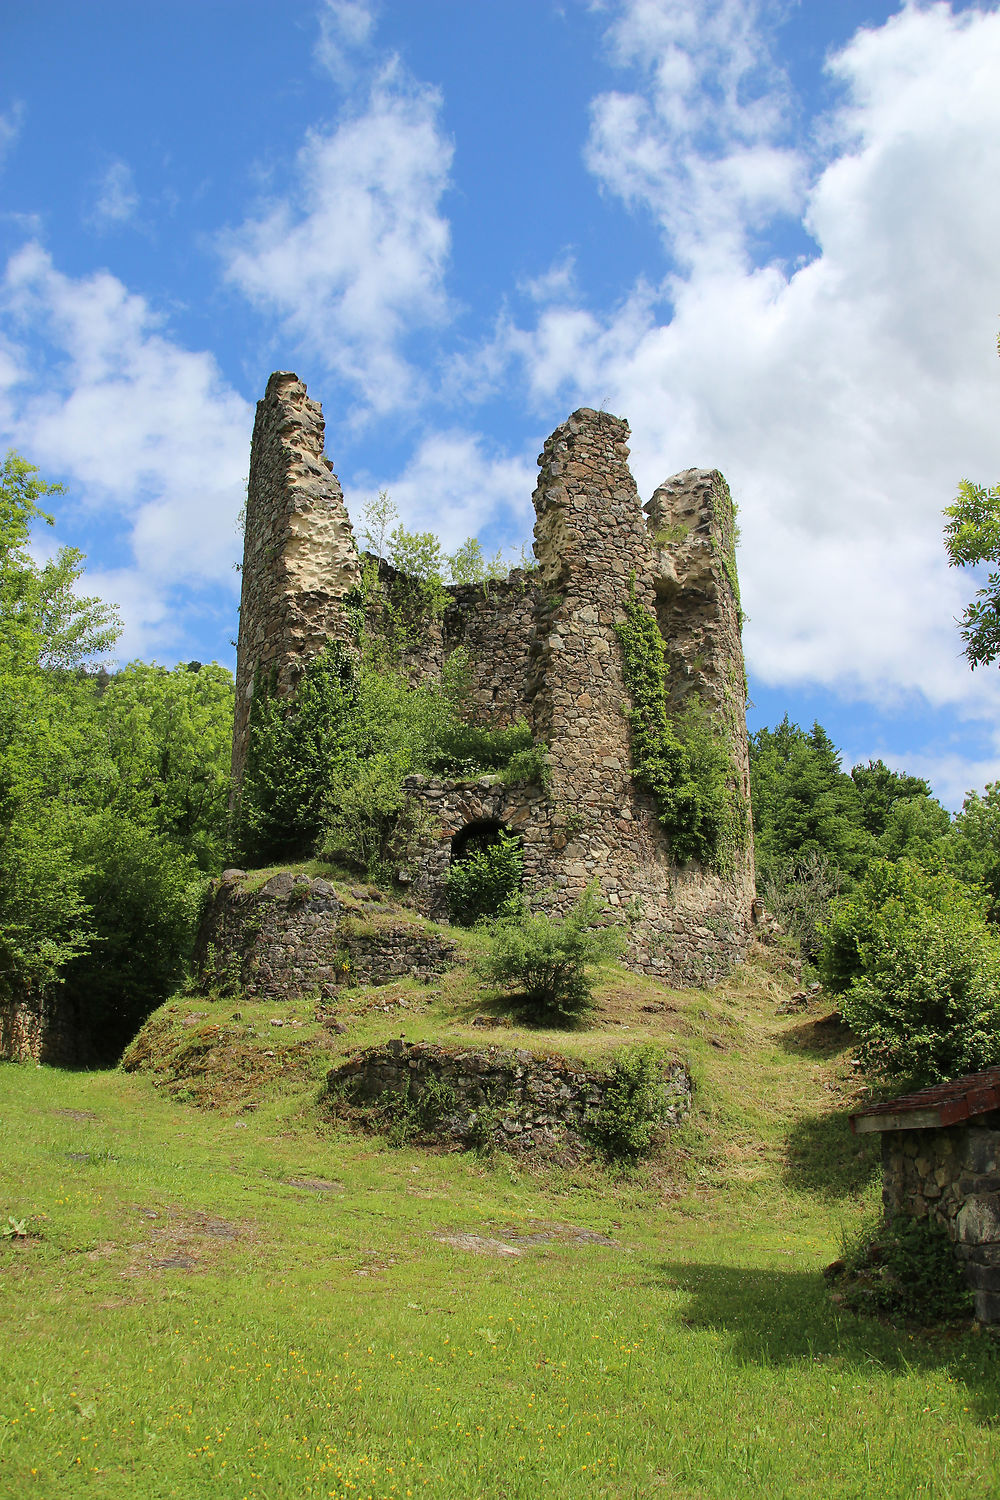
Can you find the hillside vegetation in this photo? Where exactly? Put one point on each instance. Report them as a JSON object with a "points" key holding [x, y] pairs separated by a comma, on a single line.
{"points": [[212, 1286]]}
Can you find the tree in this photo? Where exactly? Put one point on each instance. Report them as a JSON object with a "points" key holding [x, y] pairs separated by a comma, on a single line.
{"points": [[972, 538], [803, 803], [46, 630]]}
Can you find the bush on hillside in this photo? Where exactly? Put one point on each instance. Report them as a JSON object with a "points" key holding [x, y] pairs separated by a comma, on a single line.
{"points": [[548, 963], [634, 1106], [918, 970]]}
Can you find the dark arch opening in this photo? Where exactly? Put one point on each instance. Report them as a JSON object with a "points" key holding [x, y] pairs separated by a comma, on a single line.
{"points": [[475, 837]]}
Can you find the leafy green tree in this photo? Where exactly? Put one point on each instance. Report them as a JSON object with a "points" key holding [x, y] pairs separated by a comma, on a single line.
{"points": [[918, 971], [971, 539], [169, 739], [46, 630], [803, 802], [486, 880], [879, 788]]}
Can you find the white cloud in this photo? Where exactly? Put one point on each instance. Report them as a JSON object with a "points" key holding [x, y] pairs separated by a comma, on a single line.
{"points": [[147, 435], [352, 260], [117, 200], [454, 486], [10, 129], [702, 143], [843, 401], [345, 26]]}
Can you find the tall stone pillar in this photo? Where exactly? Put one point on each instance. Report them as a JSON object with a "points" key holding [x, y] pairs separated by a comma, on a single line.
{"points": [[593, 549], [299, 557]]}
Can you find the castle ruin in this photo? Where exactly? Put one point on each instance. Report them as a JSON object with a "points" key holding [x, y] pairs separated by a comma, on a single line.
{"points": [[541, 646]]}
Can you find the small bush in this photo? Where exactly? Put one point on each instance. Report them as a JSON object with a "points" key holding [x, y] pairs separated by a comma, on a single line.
{"points": [[800, 892], [904, 1269], [547, 963], [918, 969], [634, 1106], [485, 881]]}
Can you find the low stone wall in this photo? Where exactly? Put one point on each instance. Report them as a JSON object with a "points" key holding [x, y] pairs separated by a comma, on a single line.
{"points": [[952, 1176], [295, 937], [512, 1099], [44, 1029]]}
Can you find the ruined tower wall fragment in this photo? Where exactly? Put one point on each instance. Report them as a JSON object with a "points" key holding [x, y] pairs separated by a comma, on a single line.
{"points": [[299, 557]]}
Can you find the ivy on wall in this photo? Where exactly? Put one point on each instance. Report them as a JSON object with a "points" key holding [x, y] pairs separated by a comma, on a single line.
{"points": [[686, 764]]}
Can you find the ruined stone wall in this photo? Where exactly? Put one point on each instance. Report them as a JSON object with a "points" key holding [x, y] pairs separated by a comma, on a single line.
{"points": [[511, 1099], [952, 1176], [44, 1029], [296, 937], [299, 557], [492, 623], [542, 645]]}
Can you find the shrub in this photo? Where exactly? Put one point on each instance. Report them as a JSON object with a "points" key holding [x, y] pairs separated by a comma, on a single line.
{"points": [[485, 881], [906, 1268], [634, 1106], [547, 962], [800, 891], [919, 973]]}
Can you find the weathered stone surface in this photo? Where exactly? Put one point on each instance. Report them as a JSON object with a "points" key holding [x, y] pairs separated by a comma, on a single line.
{"points": [[951, 1176], [294, 938], [522, 1102], [44, 1029], [542, 646]]}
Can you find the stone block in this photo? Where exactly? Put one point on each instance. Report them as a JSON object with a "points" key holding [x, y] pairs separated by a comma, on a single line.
{"points": [[978, 1220]]}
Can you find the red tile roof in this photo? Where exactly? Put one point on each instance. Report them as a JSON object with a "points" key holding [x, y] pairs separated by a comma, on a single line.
{"points": [[941, 1104]]}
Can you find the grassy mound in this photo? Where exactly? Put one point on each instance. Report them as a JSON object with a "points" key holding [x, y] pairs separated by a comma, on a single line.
{"points": [[249, 1300]]}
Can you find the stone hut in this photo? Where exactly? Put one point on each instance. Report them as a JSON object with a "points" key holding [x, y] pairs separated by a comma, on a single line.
{"points": [[941, 1161], [541, 647]]}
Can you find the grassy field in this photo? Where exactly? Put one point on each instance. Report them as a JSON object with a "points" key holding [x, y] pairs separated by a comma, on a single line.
{"points": [[225, 1293]]}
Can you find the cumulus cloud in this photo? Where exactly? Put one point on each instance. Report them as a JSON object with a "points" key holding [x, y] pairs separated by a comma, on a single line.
{"points": [[147, 435], [703, 142], [117, 200], [345, 26], [843, 399], [455, 485], [352, 261]]}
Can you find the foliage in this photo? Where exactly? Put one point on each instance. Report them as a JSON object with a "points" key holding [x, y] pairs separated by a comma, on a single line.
{"points": [[906, 1268], [468, 564], [918, 970], [142, 904], [486, 880], [169, 738], [293, 746], [634, 1105], [548, 963], [974, 845], [799, 890], [803, 802], [972, 537], [879, 789], [686, 766]]}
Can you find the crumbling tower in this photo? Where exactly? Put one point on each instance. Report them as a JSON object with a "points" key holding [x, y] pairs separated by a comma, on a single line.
{"points": [[542, 645], [299, 557]]}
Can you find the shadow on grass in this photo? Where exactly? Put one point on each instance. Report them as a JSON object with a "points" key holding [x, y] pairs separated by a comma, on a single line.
{"points": [[822, 1155], [823, 1037], [784, 1317]]}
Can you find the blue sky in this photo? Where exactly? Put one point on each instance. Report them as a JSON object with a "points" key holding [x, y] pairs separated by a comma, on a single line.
{"points": [[763, 232]]}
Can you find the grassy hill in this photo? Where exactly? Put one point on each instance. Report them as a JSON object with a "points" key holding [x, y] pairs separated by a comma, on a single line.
{"points": [[223, 1290]]}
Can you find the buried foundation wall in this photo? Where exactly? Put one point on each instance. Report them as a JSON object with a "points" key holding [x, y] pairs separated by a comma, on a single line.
{"points": [[493, 1097]]}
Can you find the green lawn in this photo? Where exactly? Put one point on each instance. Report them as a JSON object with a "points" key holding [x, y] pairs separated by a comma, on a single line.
{"points": [[238, 1301]]}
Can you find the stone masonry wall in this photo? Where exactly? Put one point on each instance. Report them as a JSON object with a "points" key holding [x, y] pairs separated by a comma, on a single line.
{"points": [[519, 1101], [299, 557], [44, 1029], [952, 1176], [295, 937], [542, 645]]}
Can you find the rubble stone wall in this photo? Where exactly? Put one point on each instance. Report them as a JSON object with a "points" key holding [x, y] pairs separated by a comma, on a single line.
{"points": [[295, 937], [952, 1176], [520, 1101]]}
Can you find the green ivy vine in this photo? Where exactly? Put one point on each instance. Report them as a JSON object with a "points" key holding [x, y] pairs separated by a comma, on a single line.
{"points": [[686, 764]]}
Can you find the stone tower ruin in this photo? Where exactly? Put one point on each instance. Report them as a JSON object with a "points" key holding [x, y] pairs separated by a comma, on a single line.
{"points": [[541, 646]]}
